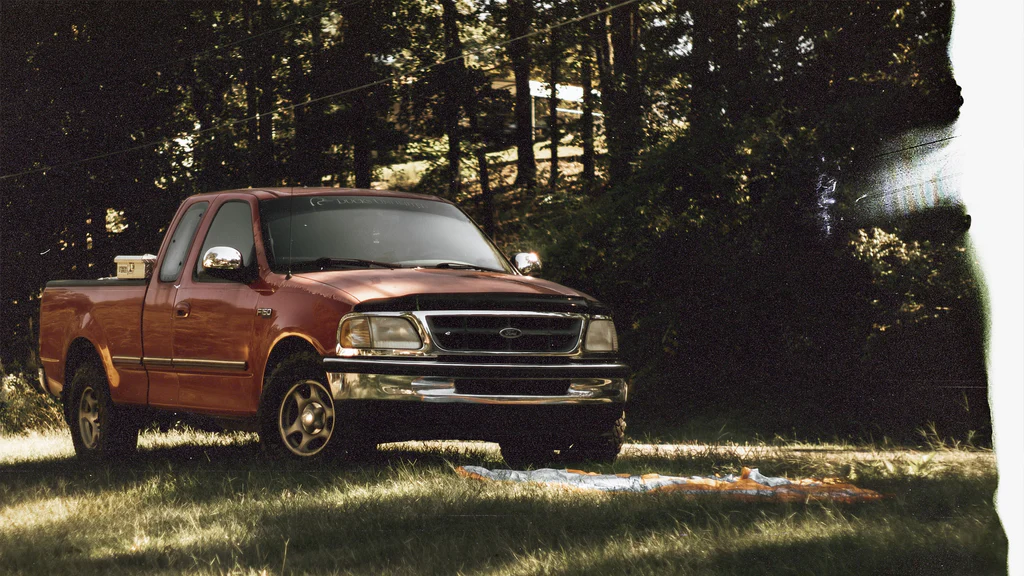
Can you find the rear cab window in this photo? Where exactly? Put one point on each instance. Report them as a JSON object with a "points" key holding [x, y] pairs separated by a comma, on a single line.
{"points": [[181, 241]]}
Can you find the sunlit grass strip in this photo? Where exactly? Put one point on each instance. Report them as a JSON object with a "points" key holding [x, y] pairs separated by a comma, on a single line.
{"points": [[35, 446], [833, 543], [201, 503]]}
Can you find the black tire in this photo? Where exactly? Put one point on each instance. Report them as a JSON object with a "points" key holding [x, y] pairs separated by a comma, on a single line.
{"points": [[99, 429], [298, 419], [521, 454], [603, 449]]}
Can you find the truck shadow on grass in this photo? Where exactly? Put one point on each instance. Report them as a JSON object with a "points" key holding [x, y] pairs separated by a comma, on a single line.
{"points": [[676, 537], [228, 456], [213, 507]]}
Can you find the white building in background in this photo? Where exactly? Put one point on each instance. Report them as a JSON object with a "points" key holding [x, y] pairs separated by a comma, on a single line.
{"points": [[570, 97]]}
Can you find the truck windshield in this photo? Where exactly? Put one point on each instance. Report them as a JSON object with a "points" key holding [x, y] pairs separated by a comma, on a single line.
{"points": [[362, 231]]}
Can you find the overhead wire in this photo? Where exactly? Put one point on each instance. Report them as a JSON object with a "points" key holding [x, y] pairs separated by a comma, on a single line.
{"points": [[934, 180], [921, 145], [291, 107]]}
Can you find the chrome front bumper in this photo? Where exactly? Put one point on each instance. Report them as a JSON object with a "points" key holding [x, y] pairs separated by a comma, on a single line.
{"points": [[422, 380]]}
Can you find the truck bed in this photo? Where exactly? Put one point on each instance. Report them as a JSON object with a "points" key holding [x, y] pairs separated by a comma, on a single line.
{"points": [[104, 310]]}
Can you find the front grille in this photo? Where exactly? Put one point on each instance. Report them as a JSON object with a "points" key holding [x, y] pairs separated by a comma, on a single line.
{"points": [[471, 333], [510, 360], [492, 387]]}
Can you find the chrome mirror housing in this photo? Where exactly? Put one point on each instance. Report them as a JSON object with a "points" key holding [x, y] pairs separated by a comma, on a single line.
{"points": [[222, 258], [527, 263]]}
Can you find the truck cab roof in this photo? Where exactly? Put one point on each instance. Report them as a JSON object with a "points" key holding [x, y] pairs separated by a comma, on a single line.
{"points": [[282, 192]]}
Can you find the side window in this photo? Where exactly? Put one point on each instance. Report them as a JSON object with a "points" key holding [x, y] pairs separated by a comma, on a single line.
{"points": [[181, 240], [231, 227]]}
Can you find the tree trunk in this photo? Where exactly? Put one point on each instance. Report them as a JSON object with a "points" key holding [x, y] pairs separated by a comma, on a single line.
{"points": [[306, 167], [603, 52], [486, 193], [702, 89], [715, 40], [601, 42], [257, 75], [265, 79], [357, 64], [362, 159], [520, 14], [553, 107], [453, 78], [624, 121], [296, 166], [204, 149], [587, 119], [252, 98]]}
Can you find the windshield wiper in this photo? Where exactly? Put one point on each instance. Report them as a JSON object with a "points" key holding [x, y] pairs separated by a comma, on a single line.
{"points": [[325, 262], [463, 266]]}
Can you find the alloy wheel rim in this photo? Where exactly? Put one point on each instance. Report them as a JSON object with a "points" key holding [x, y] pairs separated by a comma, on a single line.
{"points": [[306, 418], [89, 418]]}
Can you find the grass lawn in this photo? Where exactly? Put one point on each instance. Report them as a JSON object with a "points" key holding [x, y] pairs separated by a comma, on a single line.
{"points": [[205, 503]]}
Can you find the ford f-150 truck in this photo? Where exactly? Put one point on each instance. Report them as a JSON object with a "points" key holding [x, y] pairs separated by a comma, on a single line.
{"points": [[331, 320]]}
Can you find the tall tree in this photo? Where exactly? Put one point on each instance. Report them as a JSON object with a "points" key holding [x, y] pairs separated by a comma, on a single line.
{"points": [[554, 77], [257, 72], [454, 91], [625, 107], [585, 59], [488, 117], [76, 83], [308, 82], [362, 59], [518, 17], [353, 59]]}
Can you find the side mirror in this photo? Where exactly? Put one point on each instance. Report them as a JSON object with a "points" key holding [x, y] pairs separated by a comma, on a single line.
{"points": [[528, 263], [225, 263], [222, 258]]}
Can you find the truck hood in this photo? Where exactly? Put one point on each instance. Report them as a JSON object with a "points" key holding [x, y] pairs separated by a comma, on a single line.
{"points": [[375, 284]]}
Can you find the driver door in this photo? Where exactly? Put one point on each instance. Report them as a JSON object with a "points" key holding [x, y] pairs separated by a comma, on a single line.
{"points": [[213, 331]]}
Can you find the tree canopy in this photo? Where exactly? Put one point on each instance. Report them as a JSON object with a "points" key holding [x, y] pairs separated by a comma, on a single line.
{"points": [[692, 184]]}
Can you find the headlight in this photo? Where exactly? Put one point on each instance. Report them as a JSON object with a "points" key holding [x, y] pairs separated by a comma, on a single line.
{"points": [[378, 332], [601, 337]]}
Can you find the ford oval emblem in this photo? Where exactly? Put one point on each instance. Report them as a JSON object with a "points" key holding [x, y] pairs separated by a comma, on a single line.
{"points": [[510, 333]]}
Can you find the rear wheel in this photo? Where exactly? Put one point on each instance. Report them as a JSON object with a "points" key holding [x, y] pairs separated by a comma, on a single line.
{"points": [[298, 417], [99, 429]]}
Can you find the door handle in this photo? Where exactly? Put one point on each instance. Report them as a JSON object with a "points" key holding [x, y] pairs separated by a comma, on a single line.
{"points": [[181, 309]]}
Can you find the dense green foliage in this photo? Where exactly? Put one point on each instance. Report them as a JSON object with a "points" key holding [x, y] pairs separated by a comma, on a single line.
{"points": [[25, 409], [696, 210]]}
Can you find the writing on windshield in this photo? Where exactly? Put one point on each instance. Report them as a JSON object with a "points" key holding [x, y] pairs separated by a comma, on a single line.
{"points": [[408, 232]]}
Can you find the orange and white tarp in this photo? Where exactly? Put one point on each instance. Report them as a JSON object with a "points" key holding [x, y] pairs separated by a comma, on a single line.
{"points": [[749, 485]]}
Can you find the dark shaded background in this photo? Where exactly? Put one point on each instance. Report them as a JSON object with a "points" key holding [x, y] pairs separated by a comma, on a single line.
{"points": [[747, 285]]}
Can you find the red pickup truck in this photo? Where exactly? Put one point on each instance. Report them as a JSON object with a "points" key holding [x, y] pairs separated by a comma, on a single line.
{"points": [[329, 320]]}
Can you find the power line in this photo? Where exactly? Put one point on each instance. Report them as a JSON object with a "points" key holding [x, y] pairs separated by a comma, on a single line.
{"points": [[291, 107], [923, 144]]}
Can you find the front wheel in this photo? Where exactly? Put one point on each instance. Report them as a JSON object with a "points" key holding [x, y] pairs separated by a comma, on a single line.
{"points": [[99, 430], [298, 417]]}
